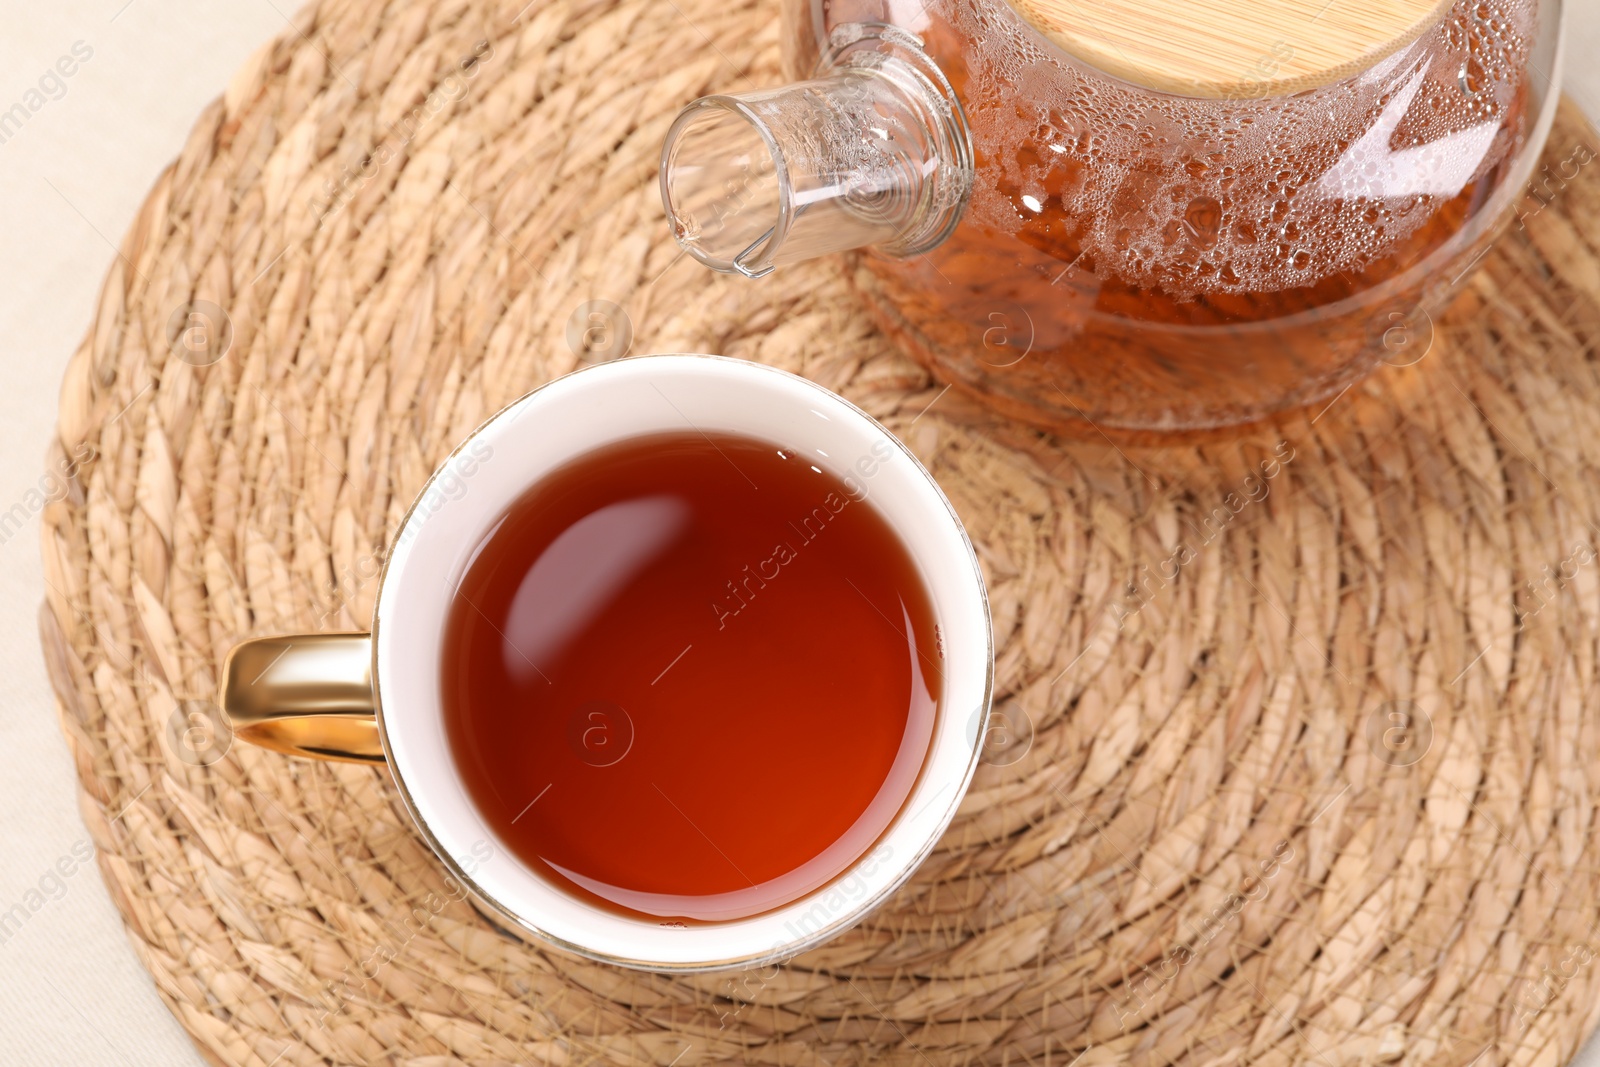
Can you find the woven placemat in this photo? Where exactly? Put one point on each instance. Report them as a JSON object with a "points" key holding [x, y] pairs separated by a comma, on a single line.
{"points": [[1297, 759]]}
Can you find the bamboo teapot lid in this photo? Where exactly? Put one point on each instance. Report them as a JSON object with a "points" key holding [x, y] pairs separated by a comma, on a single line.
{"points": [[1232, 49]]}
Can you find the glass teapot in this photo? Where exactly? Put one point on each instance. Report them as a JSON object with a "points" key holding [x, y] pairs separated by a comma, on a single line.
{"points": [[1131, 216]]}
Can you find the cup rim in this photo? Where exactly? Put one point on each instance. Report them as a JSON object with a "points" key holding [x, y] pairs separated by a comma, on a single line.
{"points": [[860, 908]]}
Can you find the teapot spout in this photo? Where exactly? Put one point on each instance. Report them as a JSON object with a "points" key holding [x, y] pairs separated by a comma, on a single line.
{"points": [[874, 153]]}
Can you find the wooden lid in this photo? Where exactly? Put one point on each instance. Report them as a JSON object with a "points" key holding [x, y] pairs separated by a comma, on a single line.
{"points": [[1237, 49]]}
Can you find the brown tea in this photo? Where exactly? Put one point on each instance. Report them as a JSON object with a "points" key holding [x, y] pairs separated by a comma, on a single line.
{"points": [[691, 676]]}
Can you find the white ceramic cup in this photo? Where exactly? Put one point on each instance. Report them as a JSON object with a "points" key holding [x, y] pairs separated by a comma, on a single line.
{"points": [[376, 697]]}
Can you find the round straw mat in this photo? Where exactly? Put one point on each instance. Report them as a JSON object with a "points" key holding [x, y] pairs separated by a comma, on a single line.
{"points": [[1296, 758]]}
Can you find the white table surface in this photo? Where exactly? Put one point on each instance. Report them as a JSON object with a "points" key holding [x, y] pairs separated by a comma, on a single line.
{"points": [[71, 990]]}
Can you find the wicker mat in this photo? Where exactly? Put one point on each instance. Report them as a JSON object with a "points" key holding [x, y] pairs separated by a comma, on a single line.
{"points": [[1298, 759]]}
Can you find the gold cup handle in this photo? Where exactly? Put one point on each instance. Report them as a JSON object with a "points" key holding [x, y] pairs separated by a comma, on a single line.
{"points": [[305, 695]]}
